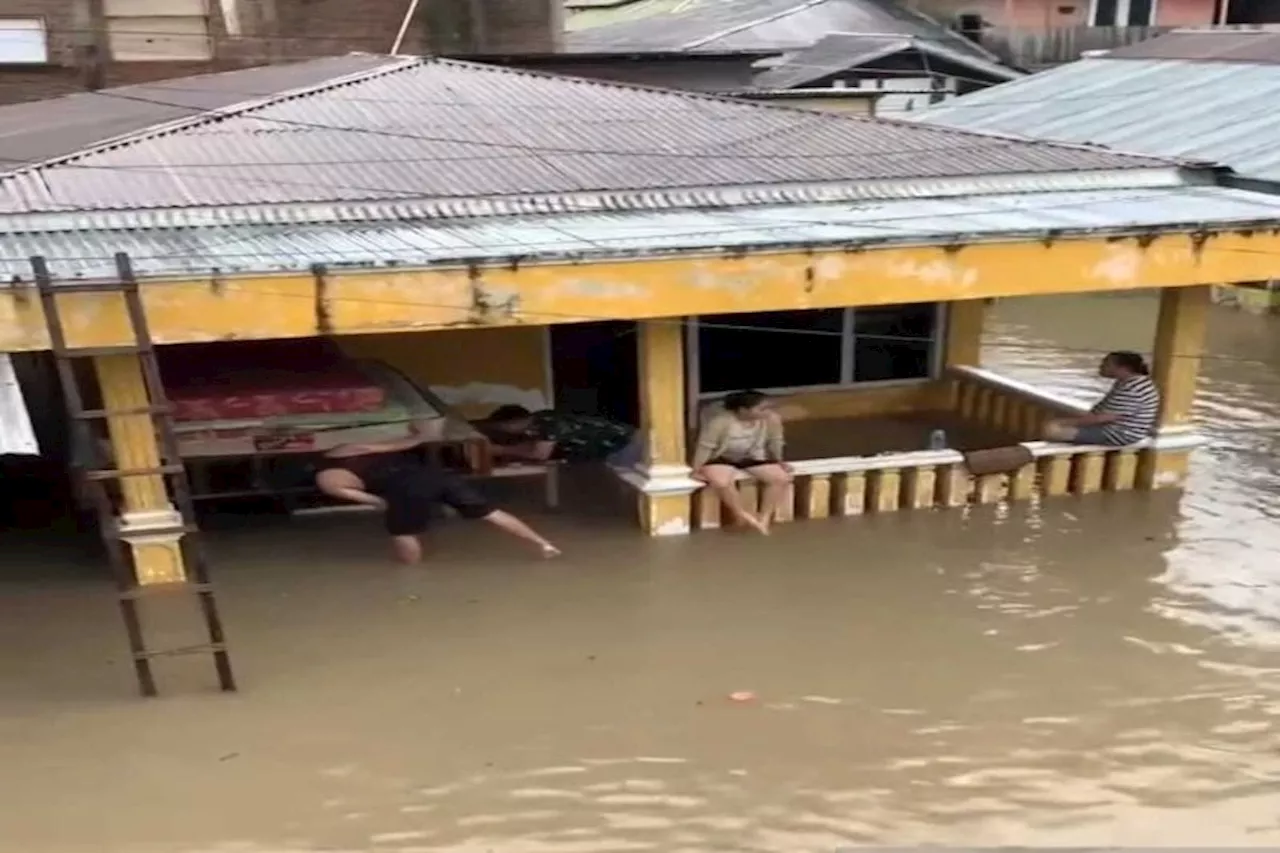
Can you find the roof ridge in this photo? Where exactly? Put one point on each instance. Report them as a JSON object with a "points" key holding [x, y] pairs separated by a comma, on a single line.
{"points": [[821, 115], [216, 114]]}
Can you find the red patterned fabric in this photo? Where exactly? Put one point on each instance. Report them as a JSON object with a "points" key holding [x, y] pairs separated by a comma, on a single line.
{"points": [[263, 379]]}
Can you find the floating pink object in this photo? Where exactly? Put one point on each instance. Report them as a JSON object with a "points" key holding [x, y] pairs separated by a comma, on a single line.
{"points": [[743, 696]]}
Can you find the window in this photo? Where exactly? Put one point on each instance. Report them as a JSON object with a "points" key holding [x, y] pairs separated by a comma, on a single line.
{"points": [[158, 30], [23, 41], [1122, 13], [811, 349]]}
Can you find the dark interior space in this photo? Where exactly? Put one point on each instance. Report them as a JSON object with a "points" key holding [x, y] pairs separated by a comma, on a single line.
{"points": [[595, 369]]}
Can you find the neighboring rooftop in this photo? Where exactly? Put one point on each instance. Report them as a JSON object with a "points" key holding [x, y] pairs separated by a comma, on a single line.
{"points": [[758, 24], [1255, 47], [35, 131], [839, 53], [417, 130], [1205, 103]]}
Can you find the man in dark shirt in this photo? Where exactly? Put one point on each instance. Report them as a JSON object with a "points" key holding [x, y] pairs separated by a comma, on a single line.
{"points": [[519, 435]]}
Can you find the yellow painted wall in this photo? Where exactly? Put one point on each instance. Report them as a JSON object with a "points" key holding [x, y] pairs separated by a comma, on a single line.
{"points": [[472, 369], [862, 402], [718, 282], [848, 106]]}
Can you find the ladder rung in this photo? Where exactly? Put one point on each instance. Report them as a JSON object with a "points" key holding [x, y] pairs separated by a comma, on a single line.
{"points": [[91, 352], [163, 531], [160, 589], [98, 414], [210, 648], [134, 472]]}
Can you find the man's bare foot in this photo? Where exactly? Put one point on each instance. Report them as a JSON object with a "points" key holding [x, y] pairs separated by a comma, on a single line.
{"points": [[549, 551], [754, 523]]}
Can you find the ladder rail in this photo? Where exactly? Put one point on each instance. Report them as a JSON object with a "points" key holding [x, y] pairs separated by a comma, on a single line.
{"points": [[121, 570], [171, 470], [192, 549]]}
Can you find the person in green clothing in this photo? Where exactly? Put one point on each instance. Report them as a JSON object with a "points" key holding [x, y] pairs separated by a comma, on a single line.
{"points": [[519, 435]]}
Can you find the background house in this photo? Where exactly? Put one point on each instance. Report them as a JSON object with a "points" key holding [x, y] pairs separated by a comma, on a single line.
{"points": [[1196, 95], [53, 47], [876, 45]]}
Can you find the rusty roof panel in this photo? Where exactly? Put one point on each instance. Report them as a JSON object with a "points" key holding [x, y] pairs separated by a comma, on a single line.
{"points": [[433, 128], [42, 130]]}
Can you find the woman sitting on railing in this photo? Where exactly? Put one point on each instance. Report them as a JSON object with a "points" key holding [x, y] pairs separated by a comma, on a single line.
{"points": [[1126, 415], [746, 436]]}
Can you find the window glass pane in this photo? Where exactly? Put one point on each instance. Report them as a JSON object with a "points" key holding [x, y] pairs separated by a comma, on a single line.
{"points": [[1140, 13], [893, 342], [1105, 13], [776, 349]]}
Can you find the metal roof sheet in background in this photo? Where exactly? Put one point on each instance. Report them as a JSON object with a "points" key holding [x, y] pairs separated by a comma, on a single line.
{"points": [[754, 24], [43, 130], [195, 252], [1219, 112], [1255, 46], [842, 52], [443, 129]]}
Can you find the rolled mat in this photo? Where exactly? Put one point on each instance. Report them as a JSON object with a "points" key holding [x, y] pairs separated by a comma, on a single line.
{"points": [[997, 460]]}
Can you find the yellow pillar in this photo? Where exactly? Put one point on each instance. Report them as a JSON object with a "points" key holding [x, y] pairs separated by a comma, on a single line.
{"points": [[965, 320], [1180, 333], [1176, 357], [662, 402], [147, 516]]}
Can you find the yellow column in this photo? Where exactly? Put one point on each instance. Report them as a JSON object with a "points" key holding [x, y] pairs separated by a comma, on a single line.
{"points": [[965, 320], [1176, 356], [662, 402], [147, 516], [1180, 333]]}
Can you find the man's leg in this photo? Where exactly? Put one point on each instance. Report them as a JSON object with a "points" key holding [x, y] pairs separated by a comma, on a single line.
{"points": [[408, 549], [1059, 431], [507, 522], [469, 503]]}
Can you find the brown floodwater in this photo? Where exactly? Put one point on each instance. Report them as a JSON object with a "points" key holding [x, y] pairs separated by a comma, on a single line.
{"points": [[1099, 671]]}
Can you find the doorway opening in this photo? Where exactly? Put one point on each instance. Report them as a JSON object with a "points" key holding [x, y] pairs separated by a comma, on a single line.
{"points": [[595, 369]]}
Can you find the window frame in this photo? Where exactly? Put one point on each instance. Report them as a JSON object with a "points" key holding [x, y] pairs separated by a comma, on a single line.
{"points": [[42, 27], [697, 398], [1123, 12]]}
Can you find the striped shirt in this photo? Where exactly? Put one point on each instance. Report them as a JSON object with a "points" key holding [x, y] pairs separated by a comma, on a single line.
{"points": [[1135, 401]]}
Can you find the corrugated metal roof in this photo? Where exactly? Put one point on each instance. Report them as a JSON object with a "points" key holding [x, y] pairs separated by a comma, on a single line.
{"points": [[1220, 112], [178, 252], [763, 24], [843, 52], [1259, 47], [439, 129], [42, 130]]}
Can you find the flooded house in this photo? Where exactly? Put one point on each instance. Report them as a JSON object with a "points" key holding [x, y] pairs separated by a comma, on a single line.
{"points": [[434, 238]]}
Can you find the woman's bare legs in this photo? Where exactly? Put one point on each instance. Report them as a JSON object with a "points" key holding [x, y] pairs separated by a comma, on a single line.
{"points": [[722, 479], [774, 480], [509, 523]]}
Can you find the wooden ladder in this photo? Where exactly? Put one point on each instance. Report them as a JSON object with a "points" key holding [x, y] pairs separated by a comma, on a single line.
{"points": [[171, 470]]}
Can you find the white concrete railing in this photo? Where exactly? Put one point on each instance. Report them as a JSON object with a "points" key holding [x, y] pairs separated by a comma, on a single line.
{"points": [[919, 479]]}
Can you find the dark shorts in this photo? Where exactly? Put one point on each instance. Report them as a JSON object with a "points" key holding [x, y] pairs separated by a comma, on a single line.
{"points": [[412, 492], [1091, 434], [740, 464]]}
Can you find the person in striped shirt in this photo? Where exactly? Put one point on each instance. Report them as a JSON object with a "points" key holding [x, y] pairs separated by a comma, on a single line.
{"points": [[1126, 415]]}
